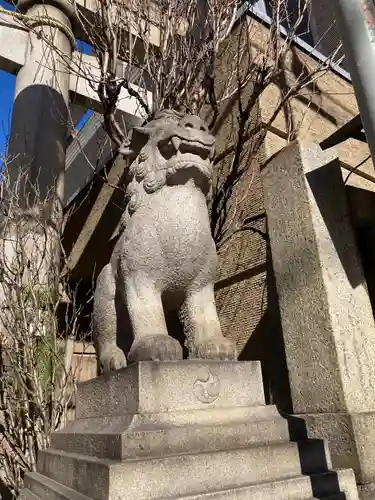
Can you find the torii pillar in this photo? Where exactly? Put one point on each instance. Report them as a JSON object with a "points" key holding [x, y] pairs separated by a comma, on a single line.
{"points": [[40, 118], [40, 122]]}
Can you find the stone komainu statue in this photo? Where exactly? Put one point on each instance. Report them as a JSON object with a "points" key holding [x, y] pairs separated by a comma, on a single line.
{"points": [[165, 254]]}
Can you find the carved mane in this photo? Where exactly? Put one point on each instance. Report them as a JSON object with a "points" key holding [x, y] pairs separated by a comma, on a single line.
{"points": [[148, 171]]}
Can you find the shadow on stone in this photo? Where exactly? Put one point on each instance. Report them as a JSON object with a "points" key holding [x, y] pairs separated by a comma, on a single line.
{"points": [[125, 335], [333, 207], [313, 460], [175, 329], [38, 138], [362, 212], [266, 344]]}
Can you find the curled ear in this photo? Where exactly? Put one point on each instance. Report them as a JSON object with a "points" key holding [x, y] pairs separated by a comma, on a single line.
{"points": [[138, 138]]}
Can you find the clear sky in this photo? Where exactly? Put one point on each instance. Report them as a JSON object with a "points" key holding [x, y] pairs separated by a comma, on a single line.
{"points": [[7, 84]]}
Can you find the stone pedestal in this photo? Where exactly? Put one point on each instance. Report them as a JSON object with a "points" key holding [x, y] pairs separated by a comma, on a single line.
{"points": [[327, 321], [186, 429]]}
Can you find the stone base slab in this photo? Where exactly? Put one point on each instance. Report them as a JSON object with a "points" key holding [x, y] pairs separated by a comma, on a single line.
{"points": [[351, 438], [154, 409], [118, 438], [367, 491], [151, 387], [296, 488], [183, 430], [179, 475]]}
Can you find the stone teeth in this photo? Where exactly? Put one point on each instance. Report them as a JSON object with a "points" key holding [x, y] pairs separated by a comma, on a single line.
{"points": [[212, 153], [176, 142]]}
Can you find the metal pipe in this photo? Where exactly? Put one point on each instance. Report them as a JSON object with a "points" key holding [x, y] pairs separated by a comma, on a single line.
{"points": [[356, 22]]}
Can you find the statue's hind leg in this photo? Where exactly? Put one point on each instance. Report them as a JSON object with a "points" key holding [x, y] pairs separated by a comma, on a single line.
{"points": [[110, 356], [151, 339], [204, 338]]}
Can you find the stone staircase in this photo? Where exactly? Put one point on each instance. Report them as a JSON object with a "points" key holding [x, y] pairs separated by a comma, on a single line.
{"points": [[182, 430]]}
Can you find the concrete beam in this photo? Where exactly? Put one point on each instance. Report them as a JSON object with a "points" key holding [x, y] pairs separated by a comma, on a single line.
{"points": [[88, 10], [85, 70], [13, 37], [13, 40], [352, 129], [83, 151]]}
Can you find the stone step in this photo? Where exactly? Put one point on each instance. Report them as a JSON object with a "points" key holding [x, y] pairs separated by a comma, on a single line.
{"points": [[48, 489], [180, 475], [295, 488], [205, 416], [26, 494], [151, 387], [119, 438], [333, 483]]}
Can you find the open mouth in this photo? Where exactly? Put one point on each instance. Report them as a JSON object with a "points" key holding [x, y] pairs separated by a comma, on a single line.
{"points": [[179, 148]]}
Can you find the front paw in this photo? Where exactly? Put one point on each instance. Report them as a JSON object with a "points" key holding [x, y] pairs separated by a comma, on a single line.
{"points": [[112, 359], [155, 348]]}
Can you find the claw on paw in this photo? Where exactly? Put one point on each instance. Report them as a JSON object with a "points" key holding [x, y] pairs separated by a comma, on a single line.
{"points": [[155, 348], [112, 359], [214, 349]]}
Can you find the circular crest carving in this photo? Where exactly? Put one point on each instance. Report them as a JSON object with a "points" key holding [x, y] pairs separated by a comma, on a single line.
{"points": [[207, 389]]}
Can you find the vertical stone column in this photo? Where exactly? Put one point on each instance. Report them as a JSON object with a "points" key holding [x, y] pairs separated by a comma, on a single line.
{"points": [[40, 114], [326, 315], [38, 138], [35, 168]]}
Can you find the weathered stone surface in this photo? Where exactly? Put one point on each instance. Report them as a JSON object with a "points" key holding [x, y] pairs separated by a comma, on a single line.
{"points": [[351, 437], [139, 436], [326, 315], [296, 488], [26, 494], [209, 416], [178, 475], [170, 408], [328, 326], [46, 488], [367, 491], [165, 255], [139, 448], [152, 387]]}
